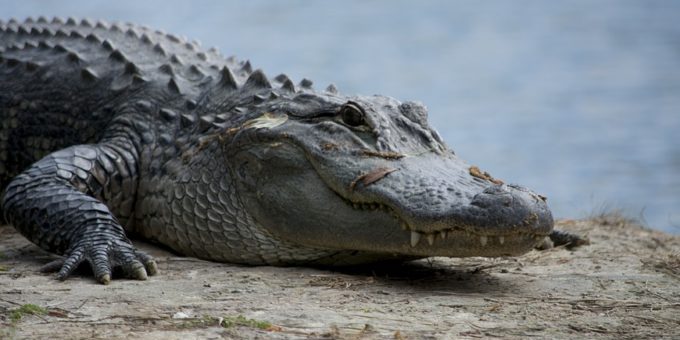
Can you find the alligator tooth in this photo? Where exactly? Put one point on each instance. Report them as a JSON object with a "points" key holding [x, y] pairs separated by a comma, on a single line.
{"points": [[501, 239], [442, 234], [404, 226], [356, 205], [539, 238], [415, 238], [483, 240], [430, 239]]}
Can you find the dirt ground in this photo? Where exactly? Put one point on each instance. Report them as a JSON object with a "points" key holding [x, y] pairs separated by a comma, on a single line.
{"points": [[626, 284]]}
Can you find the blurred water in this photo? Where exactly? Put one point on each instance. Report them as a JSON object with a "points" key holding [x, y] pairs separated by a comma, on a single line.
{"points": [[578, 100]]}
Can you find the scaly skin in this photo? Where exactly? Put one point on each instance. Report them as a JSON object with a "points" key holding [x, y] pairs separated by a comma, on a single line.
{"points": [[111, 128]]}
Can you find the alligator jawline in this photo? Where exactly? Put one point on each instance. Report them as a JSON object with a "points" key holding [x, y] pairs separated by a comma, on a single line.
{"points": [[431, 237]]}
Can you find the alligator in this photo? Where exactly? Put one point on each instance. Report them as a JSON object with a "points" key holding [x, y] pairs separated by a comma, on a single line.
{"points": [[111, 130]]}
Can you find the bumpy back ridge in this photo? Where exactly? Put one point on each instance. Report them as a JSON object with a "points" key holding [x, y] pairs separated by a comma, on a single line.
{"points": [[94, 63]]}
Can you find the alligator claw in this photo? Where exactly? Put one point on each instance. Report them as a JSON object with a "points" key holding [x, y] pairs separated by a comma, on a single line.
{"points": [[135, 264], [560, 238], [567, 239]]}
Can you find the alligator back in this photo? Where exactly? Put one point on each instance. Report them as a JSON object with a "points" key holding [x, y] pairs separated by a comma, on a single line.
{"points": [[61, 80]]}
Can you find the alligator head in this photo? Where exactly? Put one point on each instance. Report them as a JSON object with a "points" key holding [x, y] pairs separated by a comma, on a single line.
{"points": [[368, 174]]}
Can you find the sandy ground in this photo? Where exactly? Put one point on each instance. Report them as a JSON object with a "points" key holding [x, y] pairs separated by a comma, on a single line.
{"points": [[626, 284]]}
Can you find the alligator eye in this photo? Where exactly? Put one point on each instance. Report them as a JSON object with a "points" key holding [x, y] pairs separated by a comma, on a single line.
{"points": [[352, 115]]}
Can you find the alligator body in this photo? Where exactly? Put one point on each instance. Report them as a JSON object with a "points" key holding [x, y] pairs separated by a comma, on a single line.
{"points": [[112, 129]]}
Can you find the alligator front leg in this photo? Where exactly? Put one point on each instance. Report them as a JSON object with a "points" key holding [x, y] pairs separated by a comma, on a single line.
{"points": [[58, 204]]}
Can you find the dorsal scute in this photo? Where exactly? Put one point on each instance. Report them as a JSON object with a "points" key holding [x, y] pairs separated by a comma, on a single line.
{"points": [[122, 55], [258, 79], [227, 78]]}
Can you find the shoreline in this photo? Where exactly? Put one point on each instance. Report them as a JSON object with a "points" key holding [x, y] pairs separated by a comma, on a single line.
{"points": [[626, 283]]}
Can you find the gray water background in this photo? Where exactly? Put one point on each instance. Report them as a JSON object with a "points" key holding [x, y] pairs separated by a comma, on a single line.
{"points": [[578, 100]]}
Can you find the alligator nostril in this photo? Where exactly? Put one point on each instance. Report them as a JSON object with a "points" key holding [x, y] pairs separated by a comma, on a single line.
{"points": [[480, 203], [490, 200], [496, 189]]}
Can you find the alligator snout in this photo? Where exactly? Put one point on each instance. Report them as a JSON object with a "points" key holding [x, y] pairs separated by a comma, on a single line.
{"points": [[444, 197], [512, 208]]}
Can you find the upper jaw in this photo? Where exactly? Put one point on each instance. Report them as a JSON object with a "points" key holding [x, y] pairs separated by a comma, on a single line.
{"points": [[501, 220], [498, 209], [466, 238], [434, 197]]}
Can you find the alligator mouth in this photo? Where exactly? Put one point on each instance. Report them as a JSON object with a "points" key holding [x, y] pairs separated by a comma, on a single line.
{"points": [[431, 239], [398, 208]]}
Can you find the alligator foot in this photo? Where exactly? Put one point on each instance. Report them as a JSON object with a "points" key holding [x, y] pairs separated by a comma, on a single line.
{"points": [[559, 238], [135, 264]]}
